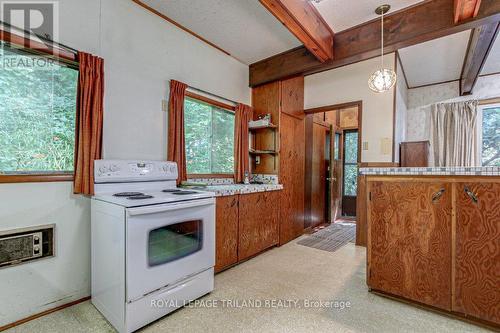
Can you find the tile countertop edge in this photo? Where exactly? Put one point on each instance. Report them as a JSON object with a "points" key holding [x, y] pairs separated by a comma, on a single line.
{"points": [[437, 171], [242, 189]]}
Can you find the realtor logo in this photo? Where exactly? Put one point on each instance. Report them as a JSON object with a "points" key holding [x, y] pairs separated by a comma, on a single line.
{"points": [[30, 19]]}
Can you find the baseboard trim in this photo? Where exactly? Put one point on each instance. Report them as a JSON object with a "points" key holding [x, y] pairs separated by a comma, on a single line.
{"points": [[43, 313]]}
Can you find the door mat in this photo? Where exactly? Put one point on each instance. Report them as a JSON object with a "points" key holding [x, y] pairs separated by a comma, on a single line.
{"points": [[332, 237]]}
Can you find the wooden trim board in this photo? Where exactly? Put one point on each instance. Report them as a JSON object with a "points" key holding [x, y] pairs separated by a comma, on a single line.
{"points": [[168, 19]]}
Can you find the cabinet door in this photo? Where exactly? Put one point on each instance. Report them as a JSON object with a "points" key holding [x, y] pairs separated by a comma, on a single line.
{"points": [[292, 96], [409, 240], [477, 241], [258, 223], [292, 165], [226, 232]]}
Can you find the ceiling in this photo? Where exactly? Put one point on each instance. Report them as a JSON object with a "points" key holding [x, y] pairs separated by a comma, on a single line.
{"points": [[492, 64], [344, 14], [244, 28], [435, 61]]}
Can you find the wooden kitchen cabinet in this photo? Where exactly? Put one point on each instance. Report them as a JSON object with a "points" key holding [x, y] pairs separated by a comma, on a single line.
{"points": [[258, 223], [226, 231], [436, 241], [284, 101], [292, 169], [477, 246], [414, 154], [409, 239]]}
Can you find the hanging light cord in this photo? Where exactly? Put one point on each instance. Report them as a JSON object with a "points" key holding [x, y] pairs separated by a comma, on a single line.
{"points": [[382, 40]]}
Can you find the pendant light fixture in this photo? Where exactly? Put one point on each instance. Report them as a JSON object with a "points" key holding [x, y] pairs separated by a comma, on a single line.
{"points": [[383, 79]]}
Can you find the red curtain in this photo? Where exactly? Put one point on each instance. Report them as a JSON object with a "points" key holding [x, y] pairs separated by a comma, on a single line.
{"points": [[176, 140], [243, 115], [89, 115]]}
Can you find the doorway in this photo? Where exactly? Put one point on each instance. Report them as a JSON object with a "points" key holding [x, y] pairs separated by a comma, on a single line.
{"points": [[333, 149], [350, 172]]}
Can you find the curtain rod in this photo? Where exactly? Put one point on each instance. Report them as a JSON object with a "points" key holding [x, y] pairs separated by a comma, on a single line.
{"points": [[209, 93], [45, 39], [491, 100]]}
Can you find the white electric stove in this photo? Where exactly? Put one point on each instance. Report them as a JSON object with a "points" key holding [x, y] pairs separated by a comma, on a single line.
{"points": [[153, 245]]}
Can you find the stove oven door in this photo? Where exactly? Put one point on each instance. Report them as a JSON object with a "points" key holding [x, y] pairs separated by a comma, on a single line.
{"points": [[168, 242]]}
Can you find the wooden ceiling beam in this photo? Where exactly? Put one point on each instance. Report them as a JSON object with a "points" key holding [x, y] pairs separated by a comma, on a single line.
{"points": [[410, 26], [480, 44], [465, 9], [306, 23]]}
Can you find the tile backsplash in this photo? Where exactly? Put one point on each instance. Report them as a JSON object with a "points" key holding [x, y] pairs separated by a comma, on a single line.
{"points": [[213, 181], [266, 179]]}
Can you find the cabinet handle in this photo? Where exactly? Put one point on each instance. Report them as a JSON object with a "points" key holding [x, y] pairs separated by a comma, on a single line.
{"points": [[438, 195], [470, 194]]}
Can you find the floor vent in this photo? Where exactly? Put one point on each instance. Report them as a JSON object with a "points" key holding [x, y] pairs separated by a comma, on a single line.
{"points": [[27, 244]]}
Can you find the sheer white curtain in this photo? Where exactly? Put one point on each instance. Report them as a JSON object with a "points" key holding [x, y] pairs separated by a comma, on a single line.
{"points": [[454, 138]]}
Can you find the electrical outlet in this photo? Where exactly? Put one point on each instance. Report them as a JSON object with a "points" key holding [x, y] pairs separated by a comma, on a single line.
{"points": [[164, 105], [257, 160]]}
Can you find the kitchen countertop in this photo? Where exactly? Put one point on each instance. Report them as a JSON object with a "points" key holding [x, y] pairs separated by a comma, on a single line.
{"points": [[434, 171], [233, 189]]}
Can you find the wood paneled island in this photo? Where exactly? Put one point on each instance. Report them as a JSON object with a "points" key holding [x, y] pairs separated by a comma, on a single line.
{"points": [[433, 238]]}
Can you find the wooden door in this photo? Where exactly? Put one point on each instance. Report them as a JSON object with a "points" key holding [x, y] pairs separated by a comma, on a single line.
{"points": [[335, 175], [292, 168], [226, 232], [477, 247], [318, 175], [409, 240], [258, 223]]}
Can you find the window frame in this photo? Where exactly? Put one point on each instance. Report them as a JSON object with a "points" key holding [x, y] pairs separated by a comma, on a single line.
{"points": [[66, 59], [487, 104], [218, 104]]}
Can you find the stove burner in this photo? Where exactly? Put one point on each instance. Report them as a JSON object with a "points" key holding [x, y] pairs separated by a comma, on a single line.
{"points": [[184, 192], [140, 197], [127, 194], [173, 190]]}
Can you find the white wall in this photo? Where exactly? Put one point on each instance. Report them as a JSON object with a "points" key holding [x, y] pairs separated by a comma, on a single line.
{"points": [[401, 110], [349, 84], [420, 101], [141, 53]]}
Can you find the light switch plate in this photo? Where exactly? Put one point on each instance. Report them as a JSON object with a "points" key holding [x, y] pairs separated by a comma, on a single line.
{"points": [[164, 105], [365, 145]]}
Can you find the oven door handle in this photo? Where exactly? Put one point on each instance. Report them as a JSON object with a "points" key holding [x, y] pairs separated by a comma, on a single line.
{"points": [[169, 207]]}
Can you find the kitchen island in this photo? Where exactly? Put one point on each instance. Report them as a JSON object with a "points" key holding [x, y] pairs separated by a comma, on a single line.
{"points": [[433, 238]]}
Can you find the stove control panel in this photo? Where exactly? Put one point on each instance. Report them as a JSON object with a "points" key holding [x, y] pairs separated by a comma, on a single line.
{"points": [[113, 171]]}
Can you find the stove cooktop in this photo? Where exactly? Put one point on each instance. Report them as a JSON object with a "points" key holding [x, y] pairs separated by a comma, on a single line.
{"points": [[150, 196]]}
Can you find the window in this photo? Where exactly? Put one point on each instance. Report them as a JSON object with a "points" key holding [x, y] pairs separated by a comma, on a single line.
{"points": [[350, 163], [209, 133], [337, 147], [37, 113], [490, 135]]}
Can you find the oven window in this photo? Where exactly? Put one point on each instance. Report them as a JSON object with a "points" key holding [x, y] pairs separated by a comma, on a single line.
{"points": [[174, 241]]}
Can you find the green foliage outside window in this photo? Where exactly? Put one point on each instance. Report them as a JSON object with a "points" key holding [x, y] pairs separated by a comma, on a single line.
{"points": [[351, 163], [209, 133], [37, 114], [491, 137]]}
